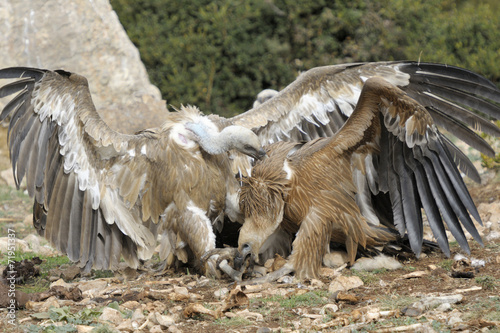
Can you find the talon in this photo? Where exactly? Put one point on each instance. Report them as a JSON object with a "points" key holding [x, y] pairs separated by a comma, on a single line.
{"points": [[234, 274], [240, 258]]}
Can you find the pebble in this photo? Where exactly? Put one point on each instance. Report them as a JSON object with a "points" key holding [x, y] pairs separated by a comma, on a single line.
{"points": [[221, 293], [111, 315], [444, 307], [264, 330], [345, 283], [138, 315]]}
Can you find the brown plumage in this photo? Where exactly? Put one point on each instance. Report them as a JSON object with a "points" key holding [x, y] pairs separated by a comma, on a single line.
{"points": [[326, 189], [100, 194]]}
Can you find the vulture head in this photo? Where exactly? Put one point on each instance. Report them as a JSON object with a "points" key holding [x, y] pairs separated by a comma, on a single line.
{"points": [[264, 96], [206, 133], [262, 200]]}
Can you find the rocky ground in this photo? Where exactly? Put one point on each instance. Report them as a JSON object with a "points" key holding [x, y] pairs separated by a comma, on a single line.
{"points": [[429, 294]]}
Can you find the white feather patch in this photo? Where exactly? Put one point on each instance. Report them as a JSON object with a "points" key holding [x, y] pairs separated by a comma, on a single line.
{"points": [[288, 170], [202, 217], [363, 197], [232, 208], [115, 211], [379, 262]]}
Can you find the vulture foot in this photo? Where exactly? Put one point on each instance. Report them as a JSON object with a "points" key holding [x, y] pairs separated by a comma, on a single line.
{"points": [[162, 269], [217, 260]]}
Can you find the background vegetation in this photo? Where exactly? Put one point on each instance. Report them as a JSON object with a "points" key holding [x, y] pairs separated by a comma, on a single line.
{"points": [[219, 54]]}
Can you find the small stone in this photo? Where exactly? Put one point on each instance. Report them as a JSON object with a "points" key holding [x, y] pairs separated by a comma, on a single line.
{"points": [[259, 270], [71, 273], [32, 240], [156, 329], [92, 288], [155, 306], [125, 326], [411, 312], [287, 279], [444, 307], [345, 283], [43, 306], [164, 320], [181, 290], [6, 244], [138, 315], [317, 284], [221, 293], [454, 319], [174, 329], [84, 328], [335, 259], [131, 305], [379, 262], [203, 281], [264, 330], [328, 309], [111, 315]]}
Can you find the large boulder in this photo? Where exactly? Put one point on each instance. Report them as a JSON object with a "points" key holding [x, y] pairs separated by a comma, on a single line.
{"points": [[86, 37]]}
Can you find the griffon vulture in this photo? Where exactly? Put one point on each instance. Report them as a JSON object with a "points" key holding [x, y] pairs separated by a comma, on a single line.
{"points": [[99, 194], [359, 186]]}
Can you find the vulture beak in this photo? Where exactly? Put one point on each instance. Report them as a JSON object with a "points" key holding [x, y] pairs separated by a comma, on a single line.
{"points": [[240, 258], [261, 153]]}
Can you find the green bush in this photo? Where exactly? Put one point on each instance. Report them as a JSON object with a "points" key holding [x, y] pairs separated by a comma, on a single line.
{"points": [[219, 54]]}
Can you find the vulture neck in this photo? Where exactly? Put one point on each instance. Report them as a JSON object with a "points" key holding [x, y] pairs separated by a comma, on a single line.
{"points": [[210, 139]]}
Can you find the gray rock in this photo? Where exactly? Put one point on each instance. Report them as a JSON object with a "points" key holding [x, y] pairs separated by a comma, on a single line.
{"points": [[86, 37], [444, 307]]}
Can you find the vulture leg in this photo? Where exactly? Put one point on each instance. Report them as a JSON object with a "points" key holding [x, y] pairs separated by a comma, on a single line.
{"points": [[220, 257], [195, 229], [231, 272]]}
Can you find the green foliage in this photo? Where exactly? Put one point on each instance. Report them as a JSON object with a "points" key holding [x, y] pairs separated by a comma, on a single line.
{"points": [[393, 302], [83, 317], [367, 277], [219, 54], [446, 264], [313, 298], [235, 321], [487, 282]]}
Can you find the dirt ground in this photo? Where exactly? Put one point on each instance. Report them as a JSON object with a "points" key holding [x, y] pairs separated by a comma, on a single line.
{"points": [[429, 294]]}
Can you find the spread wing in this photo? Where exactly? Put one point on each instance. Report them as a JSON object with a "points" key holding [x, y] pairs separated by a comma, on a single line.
{"points": [[409, 159], [97, 192], [320, 100]]}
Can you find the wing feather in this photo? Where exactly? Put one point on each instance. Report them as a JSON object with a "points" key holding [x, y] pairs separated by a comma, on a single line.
{"points": [[60, 144], [415, 166], [320, 100]]}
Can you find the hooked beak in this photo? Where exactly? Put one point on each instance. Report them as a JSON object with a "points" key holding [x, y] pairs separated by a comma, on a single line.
{"points": [[259, 154], [240, 258]]}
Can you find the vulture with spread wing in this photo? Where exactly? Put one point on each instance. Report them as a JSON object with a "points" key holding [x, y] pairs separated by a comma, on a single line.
{"points": [[100, 194], [367, 183]]}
